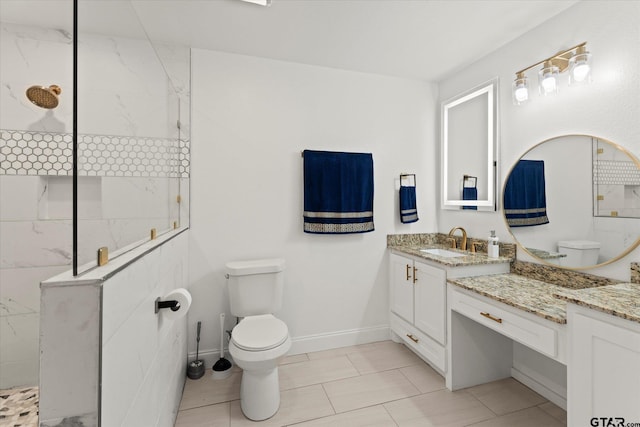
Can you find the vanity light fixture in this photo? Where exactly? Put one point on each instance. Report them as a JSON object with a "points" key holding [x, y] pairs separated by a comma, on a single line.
{"points": [[576, 59]]}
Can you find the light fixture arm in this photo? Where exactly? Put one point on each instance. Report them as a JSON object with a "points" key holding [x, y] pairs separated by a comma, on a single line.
{"points": [[560, 59]]}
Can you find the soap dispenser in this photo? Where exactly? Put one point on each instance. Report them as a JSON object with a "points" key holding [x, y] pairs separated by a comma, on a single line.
{"points": [[493, 249]]}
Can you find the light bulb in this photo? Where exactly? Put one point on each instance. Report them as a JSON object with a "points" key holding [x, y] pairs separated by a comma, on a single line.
{"points": [[549, 83], [580, 67], [521, 94], [520, 89], [581, 71], [548, 78]]}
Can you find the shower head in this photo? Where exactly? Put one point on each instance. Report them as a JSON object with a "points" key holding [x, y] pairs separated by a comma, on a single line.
{"points": [[44, 97]]}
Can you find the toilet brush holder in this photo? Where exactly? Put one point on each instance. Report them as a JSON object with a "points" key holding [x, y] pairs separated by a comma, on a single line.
{"points": [[195, 369], [222, 368]]}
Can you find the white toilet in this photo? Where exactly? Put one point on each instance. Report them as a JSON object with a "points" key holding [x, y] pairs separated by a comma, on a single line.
{"points": [[580, 253], [260, 340]]}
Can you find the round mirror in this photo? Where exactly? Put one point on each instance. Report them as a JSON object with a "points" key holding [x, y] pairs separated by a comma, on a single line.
{"points": [[574, 201]]}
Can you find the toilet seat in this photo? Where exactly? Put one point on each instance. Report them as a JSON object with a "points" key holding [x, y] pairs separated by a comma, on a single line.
{"points": [[259, 333]]}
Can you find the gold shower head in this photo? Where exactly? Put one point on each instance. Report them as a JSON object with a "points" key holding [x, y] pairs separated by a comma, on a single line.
{"points": [[45, 97]]}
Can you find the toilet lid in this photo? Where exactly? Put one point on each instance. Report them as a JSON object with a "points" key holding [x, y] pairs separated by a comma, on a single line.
{"points": [[262, 332]]}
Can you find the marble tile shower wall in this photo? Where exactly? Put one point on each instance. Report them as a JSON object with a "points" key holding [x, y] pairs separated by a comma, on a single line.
{"points": [[125, 181], [127, 363], [618, 184]]}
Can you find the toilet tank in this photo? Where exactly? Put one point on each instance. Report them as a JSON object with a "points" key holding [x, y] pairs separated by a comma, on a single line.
{"points": [[580, 253], [255, 287]]}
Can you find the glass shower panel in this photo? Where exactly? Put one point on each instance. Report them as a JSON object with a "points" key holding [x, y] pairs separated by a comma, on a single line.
{"points": [[128, 135], [616, 181], [177, 62]]}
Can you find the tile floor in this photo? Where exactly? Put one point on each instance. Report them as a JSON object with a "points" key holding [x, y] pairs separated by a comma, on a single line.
{"points": [[19, 407], [377, 384]]}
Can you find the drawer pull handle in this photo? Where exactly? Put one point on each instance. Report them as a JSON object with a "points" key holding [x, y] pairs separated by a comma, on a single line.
{"points": [[415, 275], [412, 338], [489, 316]]}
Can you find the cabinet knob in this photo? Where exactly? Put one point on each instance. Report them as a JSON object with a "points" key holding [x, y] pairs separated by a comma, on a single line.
{"points": [[408, 275], [412, 338], [415, 275]]}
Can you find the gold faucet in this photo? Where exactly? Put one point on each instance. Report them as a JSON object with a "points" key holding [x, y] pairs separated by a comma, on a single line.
{"points": [[463, 245]]}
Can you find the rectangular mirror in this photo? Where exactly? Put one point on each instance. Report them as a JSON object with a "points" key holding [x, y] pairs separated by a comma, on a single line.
{"points": [[468, 149]]}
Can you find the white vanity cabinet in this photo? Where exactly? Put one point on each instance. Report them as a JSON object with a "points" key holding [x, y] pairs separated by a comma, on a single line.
{"points": [[418, 295], [603, 371], [418, 307], [418, 302]]}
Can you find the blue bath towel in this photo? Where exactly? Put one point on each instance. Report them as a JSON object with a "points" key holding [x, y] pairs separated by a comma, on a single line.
{"points": [[525, 202], [408, 206], [338, 192], [470, 193]]}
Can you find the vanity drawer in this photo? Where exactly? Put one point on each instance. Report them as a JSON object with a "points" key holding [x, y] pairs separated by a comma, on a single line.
{"points": [[495, 316], [427, 348]]}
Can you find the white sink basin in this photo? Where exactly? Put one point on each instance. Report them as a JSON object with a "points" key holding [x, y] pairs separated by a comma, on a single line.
{"points": [[442, 252]]}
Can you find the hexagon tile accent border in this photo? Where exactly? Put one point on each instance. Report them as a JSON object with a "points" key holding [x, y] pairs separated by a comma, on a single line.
{"points": [[49, 153], [615, 172]]}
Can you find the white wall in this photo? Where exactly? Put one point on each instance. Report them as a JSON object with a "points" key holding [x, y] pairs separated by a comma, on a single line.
{"points": [[252, 117], [609, 108]]}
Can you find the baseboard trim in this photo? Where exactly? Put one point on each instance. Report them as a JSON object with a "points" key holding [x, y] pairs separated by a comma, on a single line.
{"points": [[310, 343], [327, 341], [540, 388]]}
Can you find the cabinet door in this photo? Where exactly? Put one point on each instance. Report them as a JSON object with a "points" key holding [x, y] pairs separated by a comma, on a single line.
{"points": [[430, 301], [603, 374], [401, 271]]}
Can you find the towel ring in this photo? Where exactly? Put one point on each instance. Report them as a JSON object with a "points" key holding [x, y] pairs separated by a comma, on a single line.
{"points": [[468, 178], [408, 176]]}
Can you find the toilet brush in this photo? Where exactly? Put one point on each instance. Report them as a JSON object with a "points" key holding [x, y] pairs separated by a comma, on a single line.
{"points": [[195, 369], [222, 368]]}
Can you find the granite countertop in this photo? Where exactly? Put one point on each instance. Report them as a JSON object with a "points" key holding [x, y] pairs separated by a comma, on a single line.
{"points": [[550, 301], [621, 300], [527, 287], [542, 254], [468, 258], [530, 295]]}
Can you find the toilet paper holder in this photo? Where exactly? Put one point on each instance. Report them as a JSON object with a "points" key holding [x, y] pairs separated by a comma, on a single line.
{"points": [[172, 304]]}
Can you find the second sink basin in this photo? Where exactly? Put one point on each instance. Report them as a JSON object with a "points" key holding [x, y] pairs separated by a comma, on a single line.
{"points": [[442, 252]]}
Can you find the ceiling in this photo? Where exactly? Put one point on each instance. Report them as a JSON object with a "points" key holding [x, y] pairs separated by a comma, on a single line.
{"points": [[422, 39]]}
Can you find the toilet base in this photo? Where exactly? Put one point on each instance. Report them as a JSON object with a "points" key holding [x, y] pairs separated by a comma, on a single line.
{"points": [[260, 394], [260, 386]]}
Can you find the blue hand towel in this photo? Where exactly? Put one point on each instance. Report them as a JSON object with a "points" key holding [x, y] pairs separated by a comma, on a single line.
{"points": [[408, 206], [338, 192], [525, 202], [470, 193]]}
